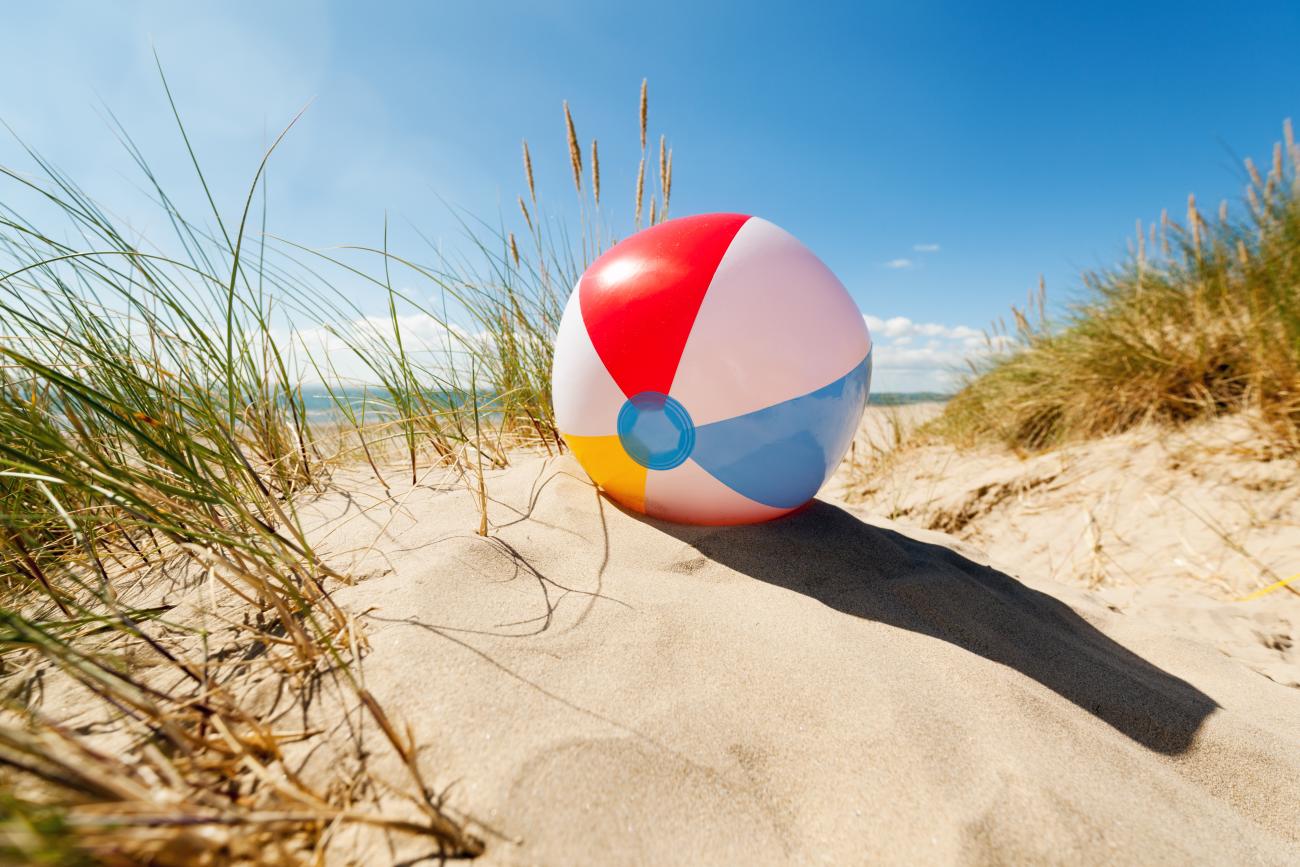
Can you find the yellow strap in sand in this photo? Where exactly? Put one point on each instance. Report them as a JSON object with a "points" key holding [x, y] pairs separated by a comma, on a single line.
{"points": [[1264, 591]]}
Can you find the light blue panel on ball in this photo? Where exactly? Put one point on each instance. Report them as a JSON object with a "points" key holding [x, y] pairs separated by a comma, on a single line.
{"points": [[781, 455]]}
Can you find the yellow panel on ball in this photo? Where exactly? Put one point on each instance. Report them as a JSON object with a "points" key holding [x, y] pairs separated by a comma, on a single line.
{"points": [[609, 466]]}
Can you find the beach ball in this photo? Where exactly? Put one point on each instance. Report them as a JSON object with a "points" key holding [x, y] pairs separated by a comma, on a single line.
{"points": [[710, 370]]}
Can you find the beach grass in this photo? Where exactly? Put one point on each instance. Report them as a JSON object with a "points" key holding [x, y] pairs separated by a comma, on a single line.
{"points": [[1202, 319], [155, 435]]}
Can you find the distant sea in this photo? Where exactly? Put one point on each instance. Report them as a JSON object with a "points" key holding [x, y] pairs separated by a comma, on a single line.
{"points": [[902, 398], [374, 402]]}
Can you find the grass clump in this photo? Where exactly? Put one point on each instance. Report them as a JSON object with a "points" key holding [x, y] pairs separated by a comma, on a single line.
{"points": [[170, 648], [1202, 319]]}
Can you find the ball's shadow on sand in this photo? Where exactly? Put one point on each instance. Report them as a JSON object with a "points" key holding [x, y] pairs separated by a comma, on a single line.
{"points": [[826, 553]]}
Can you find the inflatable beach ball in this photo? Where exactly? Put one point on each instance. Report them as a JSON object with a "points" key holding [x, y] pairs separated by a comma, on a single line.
{"points": [[710, 370]]}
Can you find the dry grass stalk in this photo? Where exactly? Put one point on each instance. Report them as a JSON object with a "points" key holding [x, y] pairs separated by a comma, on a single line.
{"points": [[644, 110], [528, 175], [575, 153], [663, 165], [1253, 172], [668, 175], [595, 172], [1194, 220], [640, 189], [1141, 249]]}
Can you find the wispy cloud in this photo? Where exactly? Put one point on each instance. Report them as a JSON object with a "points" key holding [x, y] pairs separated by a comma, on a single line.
{"points": [[926, 248], [899, 263], [331, 352], [922, 356]]}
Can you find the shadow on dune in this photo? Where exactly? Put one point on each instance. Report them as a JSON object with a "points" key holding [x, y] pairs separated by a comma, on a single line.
{"points": [[828, 554]]}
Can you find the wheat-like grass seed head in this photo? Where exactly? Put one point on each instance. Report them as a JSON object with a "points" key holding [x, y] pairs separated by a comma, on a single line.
{"points": [[575, 153], [528, 173], [663, 165], [668, 187], [1254, 172], [644, 112], [640, 188], [595, 172]]}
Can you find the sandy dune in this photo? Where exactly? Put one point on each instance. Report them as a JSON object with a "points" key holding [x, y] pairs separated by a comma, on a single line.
{"points": [[1173, 527], [829, 688]]}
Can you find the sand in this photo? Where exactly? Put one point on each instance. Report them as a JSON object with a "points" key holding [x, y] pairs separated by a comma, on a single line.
{"points": [[834, 687], [1173, 527]]}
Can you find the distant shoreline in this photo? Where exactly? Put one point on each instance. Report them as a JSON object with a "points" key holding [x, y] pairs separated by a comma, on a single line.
{"points": [[903, 398], [321, 405]]}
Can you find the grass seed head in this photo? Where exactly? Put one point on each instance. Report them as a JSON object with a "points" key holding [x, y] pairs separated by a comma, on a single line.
{"points": [[528, 173], [575, 153], [644, 112]]}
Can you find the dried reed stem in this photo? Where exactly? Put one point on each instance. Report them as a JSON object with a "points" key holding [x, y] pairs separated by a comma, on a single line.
{"points": [[528, 173], [644, 112], [668, 187], [1141, 250], [663, 166], [1253, 172], [640, 189], [1293, 153], [575, 153], [524, 210], [595, 172]]}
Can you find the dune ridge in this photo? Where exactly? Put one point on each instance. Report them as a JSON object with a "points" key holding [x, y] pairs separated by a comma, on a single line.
{"points": [[829, 688]]}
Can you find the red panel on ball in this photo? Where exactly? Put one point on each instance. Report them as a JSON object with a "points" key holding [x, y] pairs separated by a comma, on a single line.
{"points": [[640, 298]]}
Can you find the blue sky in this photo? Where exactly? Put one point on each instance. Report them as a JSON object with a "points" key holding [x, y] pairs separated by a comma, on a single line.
{"points": [[938, 156]]}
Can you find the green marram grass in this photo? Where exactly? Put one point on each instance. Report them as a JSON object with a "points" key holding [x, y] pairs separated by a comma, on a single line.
{"points": [[1203, 319], [154, 429]]}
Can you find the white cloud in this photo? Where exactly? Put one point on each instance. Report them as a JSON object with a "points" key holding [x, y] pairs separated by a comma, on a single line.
{"points": [[926, 248], [923, 356], [899, 263], [432, 348]]}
